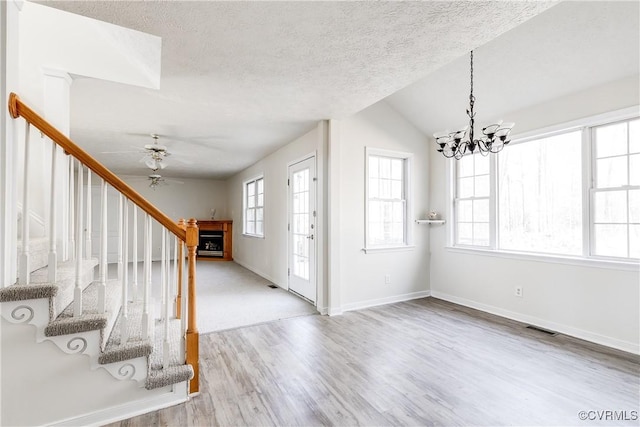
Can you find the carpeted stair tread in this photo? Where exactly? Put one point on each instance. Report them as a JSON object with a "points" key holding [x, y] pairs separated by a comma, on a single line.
{"points": [[168, 376], [65, 282], [91, 319], [24, 292], [131, 350], [136, 346], [38, 252]]}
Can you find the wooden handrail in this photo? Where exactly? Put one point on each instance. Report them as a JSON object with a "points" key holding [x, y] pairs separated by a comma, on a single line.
{"points": [[19, 109]]}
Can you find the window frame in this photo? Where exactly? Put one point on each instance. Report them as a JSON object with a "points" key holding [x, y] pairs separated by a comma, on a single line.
{"points": [[587, 126], [407, 158], [245, 208]]}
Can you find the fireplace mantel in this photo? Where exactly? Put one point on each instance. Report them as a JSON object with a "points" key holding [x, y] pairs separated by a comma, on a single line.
{"points": [[206, 226]]}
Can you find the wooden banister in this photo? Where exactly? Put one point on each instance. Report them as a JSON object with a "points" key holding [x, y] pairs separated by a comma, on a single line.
{"points": [[18, 109]]}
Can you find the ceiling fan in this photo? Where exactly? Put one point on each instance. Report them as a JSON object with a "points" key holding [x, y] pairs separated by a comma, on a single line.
{"points": [[156, 180], [154, 154]]}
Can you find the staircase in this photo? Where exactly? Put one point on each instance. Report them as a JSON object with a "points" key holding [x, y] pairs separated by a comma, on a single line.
{"points": [[130, 316]]}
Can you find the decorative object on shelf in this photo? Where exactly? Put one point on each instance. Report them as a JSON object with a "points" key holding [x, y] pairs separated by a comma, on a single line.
{"points": [[430, 221], [213, 213], [433, 215], [457, 144]]}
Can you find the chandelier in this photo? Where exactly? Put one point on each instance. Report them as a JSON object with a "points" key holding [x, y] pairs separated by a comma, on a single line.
{"points": [[457, 144]]}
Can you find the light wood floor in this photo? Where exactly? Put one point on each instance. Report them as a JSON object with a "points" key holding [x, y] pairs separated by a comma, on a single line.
{"points": [[424, 362]]}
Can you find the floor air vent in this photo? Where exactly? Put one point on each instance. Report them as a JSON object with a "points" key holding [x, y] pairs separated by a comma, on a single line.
{"points": [[273, 286], [544, 331]]}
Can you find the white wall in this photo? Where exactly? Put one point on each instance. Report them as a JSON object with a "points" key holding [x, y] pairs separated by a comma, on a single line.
{"points": [[362, 276], [268, 256], [597, 304]]}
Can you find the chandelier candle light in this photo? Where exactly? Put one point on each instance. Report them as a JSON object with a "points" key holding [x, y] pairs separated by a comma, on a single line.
{"points": [[457, 144]]}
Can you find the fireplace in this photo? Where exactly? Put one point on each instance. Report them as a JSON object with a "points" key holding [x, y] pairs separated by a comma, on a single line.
{"points": [[211, 243], [214, 240]]}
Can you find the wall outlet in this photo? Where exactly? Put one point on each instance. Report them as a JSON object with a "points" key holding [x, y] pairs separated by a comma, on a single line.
{"points": [[387, 279], [518, 291]]}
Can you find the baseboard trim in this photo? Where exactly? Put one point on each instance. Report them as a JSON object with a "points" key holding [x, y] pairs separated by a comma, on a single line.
{"points": [[382, 301], [259, 273], [627, 346], [177, 394]]}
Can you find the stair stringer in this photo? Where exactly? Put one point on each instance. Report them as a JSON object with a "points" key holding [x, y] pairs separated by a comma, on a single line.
{"points": [[41, 385], [35, 312]]}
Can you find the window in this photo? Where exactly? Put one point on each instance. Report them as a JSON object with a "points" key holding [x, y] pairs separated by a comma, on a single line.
{"points": [[472, 201], [540, 195], [573, 192], [254, 207], [615, 195], [387, 199]]}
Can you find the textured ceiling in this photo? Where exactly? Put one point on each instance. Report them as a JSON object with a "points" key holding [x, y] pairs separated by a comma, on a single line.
{"points": [[240, 79], [571, 47]]}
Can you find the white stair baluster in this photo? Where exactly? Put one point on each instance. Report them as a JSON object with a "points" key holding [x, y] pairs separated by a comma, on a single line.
{"points": [[174, 277], [87, 230], [147, 276], [72, 209], [163, 275], [124, 314], [102, 303], [77, 292], [134, 279], [120, 207], [184, 302], [52, 265], [167, 292], [24, 274]]}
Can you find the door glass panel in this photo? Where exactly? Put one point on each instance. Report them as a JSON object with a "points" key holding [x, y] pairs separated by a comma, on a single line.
{"points": [[301, 221]]}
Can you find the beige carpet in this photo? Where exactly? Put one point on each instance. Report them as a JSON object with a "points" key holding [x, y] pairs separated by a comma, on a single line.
{"points": [[230, 296]]}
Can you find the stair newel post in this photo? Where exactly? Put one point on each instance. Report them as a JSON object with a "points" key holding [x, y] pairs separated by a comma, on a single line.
{"points": [[77, 292], [72, 208], [167, 293], [102, 303], [24, 274], [52, 265], [134, 254], [124, 313], [147, 276], [120, 207], [87, 230], [180, 259], [193, 347]]}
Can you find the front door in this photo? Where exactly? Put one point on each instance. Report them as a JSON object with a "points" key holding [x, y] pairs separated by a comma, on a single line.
{"points": [[302, 228]]}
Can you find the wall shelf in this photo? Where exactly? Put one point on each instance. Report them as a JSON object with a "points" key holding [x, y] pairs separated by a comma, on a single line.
{"points": [[429, 221]]}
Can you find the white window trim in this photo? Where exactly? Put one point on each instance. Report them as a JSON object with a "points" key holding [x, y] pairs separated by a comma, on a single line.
{"points": [[244, 207], [408, 227], [586, 259]]}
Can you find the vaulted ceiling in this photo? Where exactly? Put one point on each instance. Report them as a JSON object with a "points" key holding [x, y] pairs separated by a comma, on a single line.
{"points": [[241, 79]]}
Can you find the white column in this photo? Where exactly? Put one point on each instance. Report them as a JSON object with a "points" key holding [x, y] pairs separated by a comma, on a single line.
{"points": [[87, 229], [52, 265], [102, 289], [25, 268], [77, 291], [9, 79]]}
